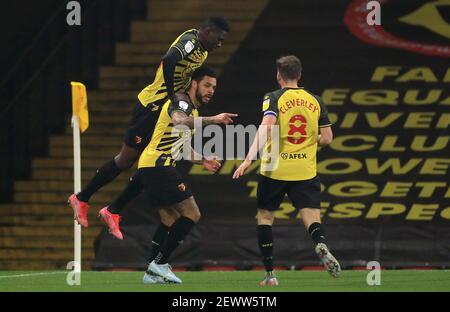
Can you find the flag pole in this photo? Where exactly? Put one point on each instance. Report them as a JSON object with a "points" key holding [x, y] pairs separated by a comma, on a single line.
{"points": [[77, 188], [80, 122]]}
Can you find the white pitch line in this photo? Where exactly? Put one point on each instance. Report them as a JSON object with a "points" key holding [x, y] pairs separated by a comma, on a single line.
{"points": [[33, 274]]}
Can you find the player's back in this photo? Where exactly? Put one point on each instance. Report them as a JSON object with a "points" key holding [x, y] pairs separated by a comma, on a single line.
{"points": [[192, 55], [299, 115], [298, 119]]}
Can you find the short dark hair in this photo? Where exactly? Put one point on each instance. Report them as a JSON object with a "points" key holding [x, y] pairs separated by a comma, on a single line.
{"points": [[203, 71], [289, 67], [217, 22]]}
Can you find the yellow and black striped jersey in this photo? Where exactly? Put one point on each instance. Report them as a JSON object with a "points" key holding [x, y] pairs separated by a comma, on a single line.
{"points": [[299, 114], [193, 54], [166, 144]]}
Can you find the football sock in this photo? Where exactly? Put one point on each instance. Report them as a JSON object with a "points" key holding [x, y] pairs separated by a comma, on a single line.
{"points": [[265, 243], [177, 233], [132, 190], [316, 232], [161, 233], [104, 175]]}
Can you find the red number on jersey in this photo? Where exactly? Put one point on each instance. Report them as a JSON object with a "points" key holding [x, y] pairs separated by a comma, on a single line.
{"points": [[294, 129]]}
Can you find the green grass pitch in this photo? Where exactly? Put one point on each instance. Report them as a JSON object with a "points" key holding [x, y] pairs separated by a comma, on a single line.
{"points": [[232, 281]]}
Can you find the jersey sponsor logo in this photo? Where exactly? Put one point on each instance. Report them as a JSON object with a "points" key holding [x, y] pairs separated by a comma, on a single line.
{"points": [[188, 47], [183, 105], [426, 17], [286, 156]]}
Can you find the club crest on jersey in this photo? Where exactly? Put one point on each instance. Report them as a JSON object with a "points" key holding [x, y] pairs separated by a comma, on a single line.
{"points": [[137, 139]]}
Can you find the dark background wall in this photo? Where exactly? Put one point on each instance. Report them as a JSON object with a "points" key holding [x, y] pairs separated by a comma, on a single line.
{"points": [[38, 59]]}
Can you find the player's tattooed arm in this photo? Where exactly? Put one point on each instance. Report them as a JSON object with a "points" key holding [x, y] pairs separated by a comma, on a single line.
{"points": [[196, 158], [210, 163], [180, 110], [181, 118]]}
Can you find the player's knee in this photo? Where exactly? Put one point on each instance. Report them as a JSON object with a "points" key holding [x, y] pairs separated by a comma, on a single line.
{"points": [[193, 214], [265, 217], [189, 209], [196, 216], [310, 214], [168, 219]]}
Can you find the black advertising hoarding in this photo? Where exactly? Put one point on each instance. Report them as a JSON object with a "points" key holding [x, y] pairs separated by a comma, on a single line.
{"points": [[385, 177]]}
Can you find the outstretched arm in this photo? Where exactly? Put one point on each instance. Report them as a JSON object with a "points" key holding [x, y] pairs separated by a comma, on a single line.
{"points": [[260, 140], [325, 136], [180, 118]]}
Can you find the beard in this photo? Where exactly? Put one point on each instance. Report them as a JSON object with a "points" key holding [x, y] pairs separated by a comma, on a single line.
{"points": [[199, 98]]}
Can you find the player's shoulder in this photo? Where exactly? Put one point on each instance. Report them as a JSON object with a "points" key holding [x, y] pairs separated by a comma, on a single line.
{"points": [[189, 38], [181, 102], [189, 35], [274, 95], [181, 96], [318, 98]]}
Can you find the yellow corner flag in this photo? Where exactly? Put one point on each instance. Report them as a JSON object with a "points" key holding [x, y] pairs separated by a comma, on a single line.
{"points": [[79, 104]]}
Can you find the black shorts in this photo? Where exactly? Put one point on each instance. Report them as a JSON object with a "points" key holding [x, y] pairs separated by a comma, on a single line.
{"points": [[303, 194], [164, 185], [141, 127]]}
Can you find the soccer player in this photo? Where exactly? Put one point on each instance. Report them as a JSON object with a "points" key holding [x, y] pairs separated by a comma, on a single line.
{"points": [[202, 89], [186, 53], [163, 184], [303, 123]]}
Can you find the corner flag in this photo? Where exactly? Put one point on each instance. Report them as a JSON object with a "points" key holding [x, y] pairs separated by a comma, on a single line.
{"points": [[80, 121], [79, 104]]}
